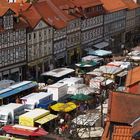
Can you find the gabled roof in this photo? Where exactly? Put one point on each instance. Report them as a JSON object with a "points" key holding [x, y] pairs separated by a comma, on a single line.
{"points": [[124, 108], [133, 76], [17, 7], [61, 7], [4, 2], [113, 5], [49, 14], [31, 16]]}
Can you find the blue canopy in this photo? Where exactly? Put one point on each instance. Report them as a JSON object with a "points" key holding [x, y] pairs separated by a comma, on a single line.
{"points": [[45, 104], [17, 90], [100, 53]]}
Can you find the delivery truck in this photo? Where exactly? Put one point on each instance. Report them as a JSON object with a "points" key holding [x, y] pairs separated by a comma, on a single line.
{"points": [[58, 90], [29, 118], [32, 100], [9, 113]]}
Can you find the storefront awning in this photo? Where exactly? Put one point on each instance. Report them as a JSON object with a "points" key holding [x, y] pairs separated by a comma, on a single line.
{"points": [[101, 45], [46, 119]]}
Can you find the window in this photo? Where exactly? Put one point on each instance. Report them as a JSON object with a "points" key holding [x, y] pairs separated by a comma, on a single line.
{"points": [[11, 37], [34, 35], [88, 10], [29, 36]]}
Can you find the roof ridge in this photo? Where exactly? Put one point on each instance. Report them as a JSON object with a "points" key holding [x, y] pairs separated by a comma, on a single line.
{"points": [[57, 11]]}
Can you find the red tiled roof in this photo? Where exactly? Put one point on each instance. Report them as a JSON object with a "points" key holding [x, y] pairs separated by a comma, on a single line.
{"points": [[20, 24], [113, 5], [4, 2], [3, 10], [86, 3], [122, 133], [59, 4], [17, 7], [130, 4], [124, 108], [31, 16], [133, 76], [49, 15], [106, 133]]}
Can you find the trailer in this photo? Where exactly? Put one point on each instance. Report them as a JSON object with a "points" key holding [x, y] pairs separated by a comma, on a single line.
{"points": [[32, 100], [9, 113], [29, 118], [58, 90]]}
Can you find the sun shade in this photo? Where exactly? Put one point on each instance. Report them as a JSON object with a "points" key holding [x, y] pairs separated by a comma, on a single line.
{"points": [[46, 119]]}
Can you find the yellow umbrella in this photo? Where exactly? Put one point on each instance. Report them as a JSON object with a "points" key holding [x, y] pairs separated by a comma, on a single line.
{"points": [[57, 106], [68, 107]]}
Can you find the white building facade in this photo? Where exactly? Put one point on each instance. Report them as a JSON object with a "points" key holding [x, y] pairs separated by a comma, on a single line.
{"points": [[39, 46]]}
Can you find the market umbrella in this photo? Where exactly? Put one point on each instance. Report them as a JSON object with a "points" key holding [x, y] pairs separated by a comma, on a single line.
{"points": [[57, 107], [67, 107], [80, 97]]}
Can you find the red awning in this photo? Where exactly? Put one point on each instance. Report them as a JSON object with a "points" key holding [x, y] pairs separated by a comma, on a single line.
{"points": [[24, 132]]}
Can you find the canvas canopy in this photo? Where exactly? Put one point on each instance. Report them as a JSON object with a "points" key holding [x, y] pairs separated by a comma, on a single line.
{"points": [[46, 119], [24, 130], [100, 53]]}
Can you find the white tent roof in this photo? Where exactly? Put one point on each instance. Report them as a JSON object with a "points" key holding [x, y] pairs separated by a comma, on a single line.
{"points": [[110, 69], [87, 119], [58, 72]]}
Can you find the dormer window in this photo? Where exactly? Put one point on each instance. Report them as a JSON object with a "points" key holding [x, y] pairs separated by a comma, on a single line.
{"points": [[8, 22], [71, 11], [88, 10], [16, 19]]}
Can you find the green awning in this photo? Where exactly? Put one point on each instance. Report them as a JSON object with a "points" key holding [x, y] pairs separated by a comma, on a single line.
{"points": [[80, 97]]}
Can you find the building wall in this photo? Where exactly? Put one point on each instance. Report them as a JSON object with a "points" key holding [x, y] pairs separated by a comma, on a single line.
{"points": [[91, 30], [12, 48], [59, 47], [39, 45], [114, 27], [73, 41]]}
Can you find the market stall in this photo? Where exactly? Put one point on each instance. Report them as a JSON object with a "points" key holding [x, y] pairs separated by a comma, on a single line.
{"points": [[64, 107], [24, 131]]}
